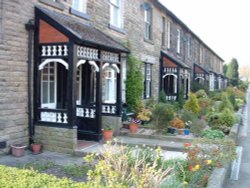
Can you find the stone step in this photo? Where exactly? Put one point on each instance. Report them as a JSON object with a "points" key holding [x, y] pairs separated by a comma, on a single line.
{"points": [[125, 140]]}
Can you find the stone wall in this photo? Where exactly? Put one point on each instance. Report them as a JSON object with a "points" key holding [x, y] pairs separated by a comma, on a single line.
{"points": [[113, 121], [61, 140]]}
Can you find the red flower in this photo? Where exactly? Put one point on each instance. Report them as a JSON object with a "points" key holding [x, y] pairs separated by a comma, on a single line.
{"points": [[187, 145]]}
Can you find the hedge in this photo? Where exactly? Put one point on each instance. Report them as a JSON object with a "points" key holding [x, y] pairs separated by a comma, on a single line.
{"points": [[13, 177]]}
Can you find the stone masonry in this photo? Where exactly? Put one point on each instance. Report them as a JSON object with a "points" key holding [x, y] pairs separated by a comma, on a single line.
{"points": [[15, 14]]}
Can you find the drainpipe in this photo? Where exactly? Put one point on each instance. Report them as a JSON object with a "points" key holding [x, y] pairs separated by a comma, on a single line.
{"points": [[30, 28]]}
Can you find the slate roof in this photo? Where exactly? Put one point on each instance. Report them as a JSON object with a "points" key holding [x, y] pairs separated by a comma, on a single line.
{"points": [[201, 68], [85, 33], [178, 62]]}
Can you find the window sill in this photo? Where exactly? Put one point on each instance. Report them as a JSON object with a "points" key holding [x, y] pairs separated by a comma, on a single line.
{"points": [[79, 14], [149, 41], [57, 5], [117, 29]]}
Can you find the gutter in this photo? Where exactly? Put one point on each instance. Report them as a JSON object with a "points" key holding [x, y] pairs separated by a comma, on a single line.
{"points": [[30, 26]]}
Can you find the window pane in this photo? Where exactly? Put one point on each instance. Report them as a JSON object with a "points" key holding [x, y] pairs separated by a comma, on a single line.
{"points": [[45, 92], [52, 92]]}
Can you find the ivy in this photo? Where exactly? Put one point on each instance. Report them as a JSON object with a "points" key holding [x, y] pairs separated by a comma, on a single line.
{"points": [[134, 83]]}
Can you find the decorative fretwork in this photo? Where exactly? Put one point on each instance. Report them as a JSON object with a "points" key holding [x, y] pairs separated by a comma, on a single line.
{"points": [[85, 112], [85, 52], [109, 56], [200, 75], [108, 109], [171, 98], [170, 70], [54, 50], [54, 117]]}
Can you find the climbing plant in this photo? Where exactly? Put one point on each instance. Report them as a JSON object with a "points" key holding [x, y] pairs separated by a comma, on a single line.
{"points": [[134, 83]]}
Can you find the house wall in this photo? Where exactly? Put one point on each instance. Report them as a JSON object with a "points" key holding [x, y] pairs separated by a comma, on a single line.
{"points": [[14, 49]]}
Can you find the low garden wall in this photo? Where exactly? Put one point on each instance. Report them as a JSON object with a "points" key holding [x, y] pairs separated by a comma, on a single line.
{"points": [[62, 140]]}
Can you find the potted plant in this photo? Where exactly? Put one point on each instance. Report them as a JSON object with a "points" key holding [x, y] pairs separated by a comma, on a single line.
{"points": [[36, 146], [107, 133], [178, 124], [18, 150], [133, 126], [187, 127]]}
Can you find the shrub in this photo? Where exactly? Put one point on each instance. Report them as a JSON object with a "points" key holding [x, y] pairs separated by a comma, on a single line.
{"points": [[22, 178], [122, 166], [177, 123], [162, 97], [222, 121], [201, 94], [192, 104], [225, 103], [187, 116], [197, 126], [213, 134], [204, 155], [163, 113], [134, 83], [236, 92]]}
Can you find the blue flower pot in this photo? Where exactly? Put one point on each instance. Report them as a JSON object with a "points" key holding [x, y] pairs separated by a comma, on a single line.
{"points": [[186, 131]]}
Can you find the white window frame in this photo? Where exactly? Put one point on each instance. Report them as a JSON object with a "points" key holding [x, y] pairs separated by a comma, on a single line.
{"points": [[148, 80], [116, 19], [112, 77], [148, 24], [49, 104], [80, 5], [168, 34], [163, 40], [178, 47]]}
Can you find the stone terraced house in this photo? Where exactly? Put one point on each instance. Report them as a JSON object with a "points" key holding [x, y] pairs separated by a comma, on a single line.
{"points": [[63, 65]]}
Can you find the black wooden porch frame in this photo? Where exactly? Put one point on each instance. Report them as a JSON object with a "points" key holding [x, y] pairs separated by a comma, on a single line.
{"points": [[72, 60], [179, 66]]}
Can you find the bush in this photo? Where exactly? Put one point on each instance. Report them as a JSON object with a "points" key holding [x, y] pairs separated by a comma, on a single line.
{"points": [[221, 121], [225, 103], [162, 97], [13, 177], [213, 134], [177, 123], [121, 166], [187, 116], [197, 126], [163, 113], [204, 155], [201, 94], [192, 104]]}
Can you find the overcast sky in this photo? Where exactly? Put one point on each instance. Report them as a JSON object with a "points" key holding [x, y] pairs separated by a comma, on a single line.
{"points": [[224, 25]]}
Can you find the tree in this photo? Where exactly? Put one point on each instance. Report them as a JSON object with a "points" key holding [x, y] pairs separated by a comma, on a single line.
{"points": [[134, 83], [225, 69], [233, 72]]}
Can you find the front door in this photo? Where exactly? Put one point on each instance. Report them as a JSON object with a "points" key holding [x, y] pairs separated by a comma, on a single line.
{"points": [[87, 121]]}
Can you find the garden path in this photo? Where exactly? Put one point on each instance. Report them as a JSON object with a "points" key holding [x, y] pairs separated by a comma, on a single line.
{"points": [[244, 140]]}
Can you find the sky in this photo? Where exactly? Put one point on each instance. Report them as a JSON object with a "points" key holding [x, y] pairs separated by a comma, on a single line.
{"points": [[224, 25]]}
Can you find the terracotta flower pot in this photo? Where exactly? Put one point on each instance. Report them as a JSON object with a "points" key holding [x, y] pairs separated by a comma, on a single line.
{"points": [[18, 150], [36, 148], [133, 127], [107, 134]]}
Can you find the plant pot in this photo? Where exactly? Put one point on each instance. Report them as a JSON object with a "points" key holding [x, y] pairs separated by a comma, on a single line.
{"points": [[36, 148], [133, 127], [107, 134], [186, 131], [18, 150], [180, 131], [171, 130]]}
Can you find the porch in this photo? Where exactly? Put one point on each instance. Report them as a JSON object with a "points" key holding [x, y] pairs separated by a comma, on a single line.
{"points": [[174, 77], [201, 76], [77, 82]]}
